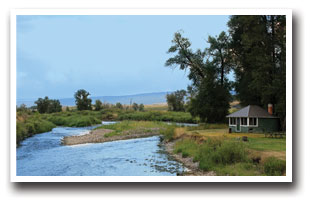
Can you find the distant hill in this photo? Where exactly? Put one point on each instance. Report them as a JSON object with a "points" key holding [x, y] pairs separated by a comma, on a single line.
{"points": [[146, 98]]}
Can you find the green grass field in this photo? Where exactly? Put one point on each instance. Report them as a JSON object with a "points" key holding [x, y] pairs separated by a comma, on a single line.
{"points": [[225, 153]]}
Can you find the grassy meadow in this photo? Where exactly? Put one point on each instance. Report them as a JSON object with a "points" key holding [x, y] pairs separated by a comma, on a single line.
{"points": [[225, 153]]}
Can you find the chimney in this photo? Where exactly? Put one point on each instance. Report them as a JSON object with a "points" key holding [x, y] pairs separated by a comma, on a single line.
{"points": [[270, 108]]}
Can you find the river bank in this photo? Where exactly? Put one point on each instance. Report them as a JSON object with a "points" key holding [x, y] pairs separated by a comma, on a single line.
{"points": [[43, 155], [191, 166], [99, 136]]}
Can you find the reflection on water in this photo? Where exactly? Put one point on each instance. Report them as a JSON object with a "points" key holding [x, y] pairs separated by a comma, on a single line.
{"points": [[43, 155]]}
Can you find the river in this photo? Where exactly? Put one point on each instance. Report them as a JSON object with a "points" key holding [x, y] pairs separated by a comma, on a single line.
{"points": [[43, 155]]}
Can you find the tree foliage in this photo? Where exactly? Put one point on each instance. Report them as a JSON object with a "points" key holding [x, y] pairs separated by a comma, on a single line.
{"points": [[207, 71], [135, 106], [255, 49], [119, 105], [211, 103], [220, 52], [46, 105], [82, 101], [98, 105], [175, 100], [141, 107], [258, 48]]}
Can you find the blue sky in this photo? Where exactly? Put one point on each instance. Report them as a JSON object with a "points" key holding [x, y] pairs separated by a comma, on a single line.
{"points": [[105, 55]]}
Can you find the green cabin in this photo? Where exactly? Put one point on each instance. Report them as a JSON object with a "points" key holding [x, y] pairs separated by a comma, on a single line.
{"points": [[253, 119]]}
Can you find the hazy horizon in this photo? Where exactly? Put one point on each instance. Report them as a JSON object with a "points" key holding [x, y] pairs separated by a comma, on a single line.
{"points": [[98, 95]]}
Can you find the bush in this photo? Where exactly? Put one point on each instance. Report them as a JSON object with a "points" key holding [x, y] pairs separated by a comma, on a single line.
{"points": [[168, 133], [274, 167], [229, 153], [98, 105]]}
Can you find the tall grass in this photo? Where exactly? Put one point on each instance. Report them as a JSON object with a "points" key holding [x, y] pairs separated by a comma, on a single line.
{"points": [[227, 157], [73, 120], [213, 152], [32, 126], [182, 117], [274, 166], [205, 126], [34, 123], [138, 127]]}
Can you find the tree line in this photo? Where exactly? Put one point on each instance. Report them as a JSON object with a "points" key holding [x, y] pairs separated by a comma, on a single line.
{"points": [[82, 101], [254, 49]]}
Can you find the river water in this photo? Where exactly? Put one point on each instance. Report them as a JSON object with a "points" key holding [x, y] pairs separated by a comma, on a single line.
{"points": [[43, 155]]}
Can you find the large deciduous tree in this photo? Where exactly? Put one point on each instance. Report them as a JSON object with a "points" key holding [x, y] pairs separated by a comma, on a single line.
{"points": [[47, 105], [82, 101], [259, 54], [209, 92], [220, 54]]}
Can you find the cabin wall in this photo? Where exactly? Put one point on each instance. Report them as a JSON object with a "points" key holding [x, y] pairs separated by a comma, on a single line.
{"points": [[264, 125], [268, 125]]}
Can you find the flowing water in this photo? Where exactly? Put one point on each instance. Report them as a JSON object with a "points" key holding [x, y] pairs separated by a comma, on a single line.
{"points": [[43, 155]]}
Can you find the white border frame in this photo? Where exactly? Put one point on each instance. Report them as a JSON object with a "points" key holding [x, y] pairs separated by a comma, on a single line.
{"points": [[287, 12]]}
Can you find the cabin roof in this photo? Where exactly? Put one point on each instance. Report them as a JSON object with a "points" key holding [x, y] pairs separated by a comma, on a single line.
{"points": [[251, 111]]}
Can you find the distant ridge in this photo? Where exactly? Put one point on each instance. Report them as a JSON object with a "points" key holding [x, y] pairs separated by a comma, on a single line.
{"points": [[144, 98]]}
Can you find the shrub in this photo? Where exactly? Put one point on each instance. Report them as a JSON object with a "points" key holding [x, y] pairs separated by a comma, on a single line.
{"points": [[98, 105], [229, 152], [274, 167], [141, 107], [168, 133]]}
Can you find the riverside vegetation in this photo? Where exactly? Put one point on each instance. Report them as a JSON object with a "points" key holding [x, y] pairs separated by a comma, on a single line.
{"points": [[29, 122], [214, 149], [210, 145]]}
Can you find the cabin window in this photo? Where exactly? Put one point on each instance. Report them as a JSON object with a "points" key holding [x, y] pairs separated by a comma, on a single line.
{"points": [[232, 121], [253, 121], [244, 121]]}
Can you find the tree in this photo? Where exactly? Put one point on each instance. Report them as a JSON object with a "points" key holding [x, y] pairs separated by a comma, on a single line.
{"points": [[82, 101], [22, 108], [211, 103], [258, 44], [98, 105], [207, 71], [135, 106], [185, 58], [119, 105], [220, 52], [47, 105], [141, 107], [54, 106], [175, 100], [42, 104]]}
